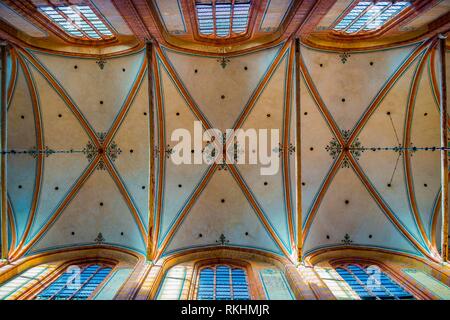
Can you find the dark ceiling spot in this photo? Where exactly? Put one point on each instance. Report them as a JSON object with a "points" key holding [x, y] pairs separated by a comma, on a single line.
{"points": [[223, 200], [347, 202], [101, 101], [101, 204]]}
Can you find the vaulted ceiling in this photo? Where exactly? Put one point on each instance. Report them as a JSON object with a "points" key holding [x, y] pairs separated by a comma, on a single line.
{"points": [[86, 108]]}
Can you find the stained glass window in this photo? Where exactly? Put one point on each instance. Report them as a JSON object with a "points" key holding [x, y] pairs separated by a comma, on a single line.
{"points": [[79, 21], [370, 15], [172, 286], [370, 283], [77, 283], [222, 18], [31, 276], [223, 282]]}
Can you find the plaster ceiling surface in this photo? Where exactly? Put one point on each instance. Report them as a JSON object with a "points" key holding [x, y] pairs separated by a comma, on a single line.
{"points": [[90, 118], [392, 103], [85, 167]]}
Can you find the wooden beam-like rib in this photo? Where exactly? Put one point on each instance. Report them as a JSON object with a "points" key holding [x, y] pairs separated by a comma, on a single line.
{"points": [[254, 98], [186, 210], [285, 141], [257, 210], [386, 88], [159, 117], [62, 205], [4, 147], [12, 226], [123, 191], [320, 104], [151, 112], [40, 157], [298, 161], [125, 107], [444, 143], [385, 208], [406, 143], [12, 82], [320, 196], [187, 97], [63, 95]]}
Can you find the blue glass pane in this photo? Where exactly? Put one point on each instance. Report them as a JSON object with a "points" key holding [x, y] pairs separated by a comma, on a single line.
{"points": [[68, 287], [223, 283], [369, 285], [370, 15]]}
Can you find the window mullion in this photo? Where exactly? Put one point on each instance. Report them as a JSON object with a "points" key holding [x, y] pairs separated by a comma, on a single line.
{"points": [[71, 22], [84, 283], [374, 17], [381, 285], [357, 18], [63, 287], [231, 18], [230, 275], [89, 22], [215, 283], [214, 22], [361, 283]]}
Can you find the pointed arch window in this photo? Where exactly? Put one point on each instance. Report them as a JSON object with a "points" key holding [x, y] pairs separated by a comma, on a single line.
{"points": [[76, 283], [371, 283], [369, 16], [223, 282], [222, 18], [78, 21]]}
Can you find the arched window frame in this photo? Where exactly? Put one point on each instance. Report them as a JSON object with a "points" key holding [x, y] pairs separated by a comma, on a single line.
{"points": [[84, 38], [233, 37], [33, 292], [396, 276], [254, 286]]}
